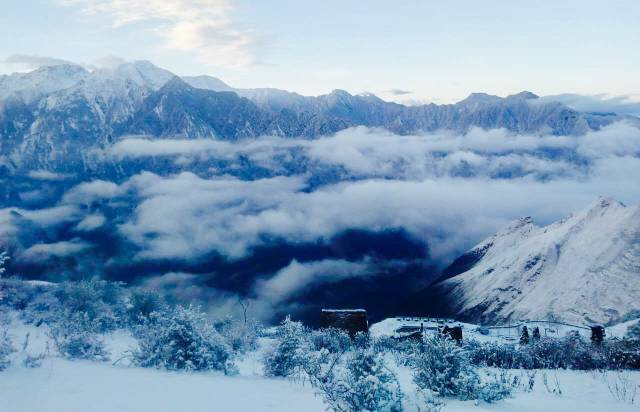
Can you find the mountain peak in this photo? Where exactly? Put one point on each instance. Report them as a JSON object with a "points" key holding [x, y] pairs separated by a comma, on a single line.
{"points": [[604, 203], [369, 96], [479, 98], [207, 83], [143, 72], [340, 92], [175, 83], [523, 221], [523, 95], [522, 225]]}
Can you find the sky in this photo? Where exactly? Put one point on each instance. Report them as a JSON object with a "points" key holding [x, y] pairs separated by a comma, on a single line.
{"points": [[408, 51]]}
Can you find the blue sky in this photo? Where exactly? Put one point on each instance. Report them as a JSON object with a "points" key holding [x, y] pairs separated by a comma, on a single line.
{"points": [[438, 51]]}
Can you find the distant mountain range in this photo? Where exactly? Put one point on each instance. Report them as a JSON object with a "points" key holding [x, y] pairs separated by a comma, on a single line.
{"points": [[584, 269], [54, 116]]}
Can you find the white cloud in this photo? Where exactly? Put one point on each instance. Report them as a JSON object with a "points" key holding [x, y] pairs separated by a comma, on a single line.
{"points": [[43, 251], [52, 217], [91, 222], [399, 92], [185, 216], [204, 27], [601, 103], [31, 62], [47, 175], [298, 276], [88, 192], [189, 288], [449, 190], [109, 62], [8, 228], [139, 147], [621, 139], [378, 153]]}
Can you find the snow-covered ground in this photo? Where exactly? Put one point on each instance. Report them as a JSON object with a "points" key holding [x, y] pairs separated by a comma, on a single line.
{"points": [[60, 385], [63, 386]]}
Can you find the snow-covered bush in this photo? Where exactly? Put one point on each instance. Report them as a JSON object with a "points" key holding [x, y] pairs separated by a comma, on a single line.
{"points": [[499, 356], [332, 339], [363, 383], [4, 257], [33, 361], [633, 331], [15, 293], [551, 353], [384, 344], [6, 348], [622, 354], [75, 337], [571, 352], [292, 346], [102, 301], [181, 339], [240, 335], [142, 303], [499, 387], [398, 347], [443, 368], [43, 307]]}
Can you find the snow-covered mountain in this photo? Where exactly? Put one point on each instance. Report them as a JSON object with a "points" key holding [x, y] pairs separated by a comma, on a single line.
{"points": [[55, 115], [52, 117], [29, 87], [585, 269]]}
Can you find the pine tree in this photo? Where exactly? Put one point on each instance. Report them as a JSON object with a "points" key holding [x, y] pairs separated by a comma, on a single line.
{"points": [[524, 339], [536, 333]]}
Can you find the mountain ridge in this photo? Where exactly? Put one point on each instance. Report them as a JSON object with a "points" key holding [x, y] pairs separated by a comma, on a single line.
{"points": [[52, 117]]}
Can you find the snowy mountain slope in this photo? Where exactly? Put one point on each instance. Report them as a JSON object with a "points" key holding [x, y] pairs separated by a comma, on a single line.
{"points": [[29, 87], [583, 269], [207, 83]]}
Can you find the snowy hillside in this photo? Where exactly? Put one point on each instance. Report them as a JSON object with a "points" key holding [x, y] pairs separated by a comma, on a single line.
{"points": [[583, 269]]}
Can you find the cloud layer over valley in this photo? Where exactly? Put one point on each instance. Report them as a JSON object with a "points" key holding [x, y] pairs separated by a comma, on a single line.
{"points": [[274, 219]]}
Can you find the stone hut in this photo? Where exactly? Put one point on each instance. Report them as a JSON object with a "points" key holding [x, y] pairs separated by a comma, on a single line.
{"points": [[454, 333], [349, 320], [597, 334]]}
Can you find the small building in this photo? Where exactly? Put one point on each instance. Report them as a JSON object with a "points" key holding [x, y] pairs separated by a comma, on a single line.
{"points": [[349, 320], [454, 333], [597, 334]]}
